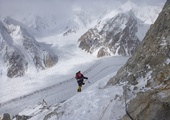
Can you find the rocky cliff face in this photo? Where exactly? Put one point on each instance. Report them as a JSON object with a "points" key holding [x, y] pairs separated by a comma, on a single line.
{"points": [[149, 65], [117, 37], [20, 51]]}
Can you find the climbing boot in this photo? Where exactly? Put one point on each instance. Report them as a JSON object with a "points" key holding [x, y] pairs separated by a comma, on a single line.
{"points": [[79, 89]]}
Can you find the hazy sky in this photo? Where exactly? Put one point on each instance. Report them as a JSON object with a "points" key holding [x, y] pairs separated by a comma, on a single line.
{"points": [[64, 6]]}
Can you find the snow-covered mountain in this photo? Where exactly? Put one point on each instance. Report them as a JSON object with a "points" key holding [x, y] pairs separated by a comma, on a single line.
{"points": [[118, 36], [20, 51]]}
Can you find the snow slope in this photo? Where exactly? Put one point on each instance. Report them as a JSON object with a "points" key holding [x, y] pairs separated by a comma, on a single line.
{"points": [[94, 103], [56, 84], [61, 91]]}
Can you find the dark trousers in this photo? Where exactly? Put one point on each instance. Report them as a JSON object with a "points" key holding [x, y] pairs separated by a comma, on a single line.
{"points": [[80, 82]]}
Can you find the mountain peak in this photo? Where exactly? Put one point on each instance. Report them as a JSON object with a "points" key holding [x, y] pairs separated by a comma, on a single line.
{"points": [[128, 6]]}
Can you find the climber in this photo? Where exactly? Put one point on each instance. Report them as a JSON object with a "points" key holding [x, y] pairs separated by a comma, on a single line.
{"points": [[80, 80]]}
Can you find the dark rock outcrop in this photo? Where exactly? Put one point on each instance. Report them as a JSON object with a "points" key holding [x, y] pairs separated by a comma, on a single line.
{"points": [[22, 117], [6, 116]]}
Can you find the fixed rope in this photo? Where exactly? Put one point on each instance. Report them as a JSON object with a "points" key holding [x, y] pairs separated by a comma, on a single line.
{"points": [[105, 109], [126, 106]]}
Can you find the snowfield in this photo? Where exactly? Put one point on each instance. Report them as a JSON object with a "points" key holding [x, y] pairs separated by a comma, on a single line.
{"points": [[99, 72], [57, 84]]}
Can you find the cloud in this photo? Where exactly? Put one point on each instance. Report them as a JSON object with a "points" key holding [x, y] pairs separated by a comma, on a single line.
{"points": [[53, 6], [35, 6], [63, 7], [149, 2]]}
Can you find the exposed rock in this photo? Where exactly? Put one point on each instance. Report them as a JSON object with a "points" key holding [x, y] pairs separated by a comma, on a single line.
{"points": [[23, 117], [150, 106], [103, 52], [17, 65], [90, 40], [69, 32], [6, 116], [151, 63]]}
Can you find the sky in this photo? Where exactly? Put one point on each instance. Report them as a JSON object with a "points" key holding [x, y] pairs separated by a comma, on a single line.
{"points": [[62, 10], [151, 2], [64, 6], [59, 6]]}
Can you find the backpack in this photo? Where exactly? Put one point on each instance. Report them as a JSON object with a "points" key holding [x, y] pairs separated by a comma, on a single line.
{"points": [[78, 75]]}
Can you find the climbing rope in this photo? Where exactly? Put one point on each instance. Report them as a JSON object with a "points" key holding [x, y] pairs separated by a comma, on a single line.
{"points": [[126, 106], [102, 115]]}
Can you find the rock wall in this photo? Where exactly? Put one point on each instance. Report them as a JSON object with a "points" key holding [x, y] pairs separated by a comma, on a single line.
{"points": [[151, 63]]}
